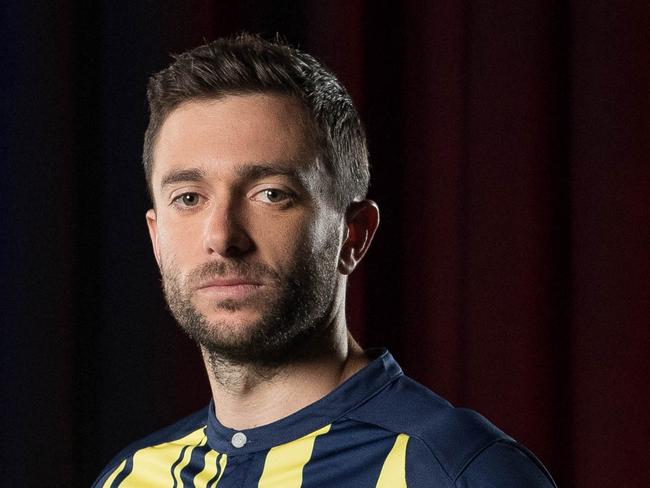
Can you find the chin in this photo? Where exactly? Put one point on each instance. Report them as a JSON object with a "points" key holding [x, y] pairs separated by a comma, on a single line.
{"points": [[232, 323]]}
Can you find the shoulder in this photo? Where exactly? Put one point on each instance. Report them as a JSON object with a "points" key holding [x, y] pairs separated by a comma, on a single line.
{"points": [[464, 447], [179, 429]]}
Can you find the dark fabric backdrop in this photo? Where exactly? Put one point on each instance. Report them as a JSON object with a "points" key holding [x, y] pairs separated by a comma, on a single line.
{"points": [[511, 271]]}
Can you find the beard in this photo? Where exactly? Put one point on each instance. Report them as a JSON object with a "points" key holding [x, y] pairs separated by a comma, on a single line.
{"points": [[292, 314]]}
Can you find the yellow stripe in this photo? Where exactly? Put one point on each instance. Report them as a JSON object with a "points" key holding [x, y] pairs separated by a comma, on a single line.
{"points": [[112, 477], [210, 470], [393, 473], [283, 465], [187, 456], [151, 465], [222, 463]]}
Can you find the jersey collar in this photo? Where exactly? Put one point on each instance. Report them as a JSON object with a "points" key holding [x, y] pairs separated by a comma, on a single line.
{"points": [[361, 386]]}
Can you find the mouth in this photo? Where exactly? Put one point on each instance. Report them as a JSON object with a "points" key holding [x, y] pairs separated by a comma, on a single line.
{"points": [[233, 288]]}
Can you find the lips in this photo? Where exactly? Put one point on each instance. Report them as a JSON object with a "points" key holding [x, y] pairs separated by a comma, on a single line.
{"points": [[225, 282], [233, 288]]}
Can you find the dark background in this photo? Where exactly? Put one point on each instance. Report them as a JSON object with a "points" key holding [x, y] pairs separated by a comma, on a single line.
{"points": [[511, 271]]}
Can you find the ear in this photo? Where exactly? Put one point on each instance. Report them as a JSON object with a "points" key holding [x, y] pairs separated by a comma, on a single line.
{"points": [[152, 224], [362, 219]]}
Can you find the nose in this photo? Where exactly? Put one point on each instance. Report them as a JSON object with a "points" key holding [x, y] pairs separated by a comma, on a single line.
{"points": [[225, 231]]}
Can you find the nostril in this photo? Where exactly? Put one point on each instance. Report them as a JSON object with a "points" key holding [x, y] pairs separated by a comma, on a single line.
{"points": [[237, 250], [228, 240]]}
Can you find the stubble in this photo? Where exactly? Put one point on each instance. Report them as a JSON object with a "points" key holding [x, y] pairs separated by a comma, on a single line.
{"points": [[291, 317]]}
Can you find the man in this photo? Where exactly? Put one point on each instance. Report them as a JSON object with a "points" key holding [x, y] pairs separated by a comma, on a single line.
{"points": [[258, 170]]}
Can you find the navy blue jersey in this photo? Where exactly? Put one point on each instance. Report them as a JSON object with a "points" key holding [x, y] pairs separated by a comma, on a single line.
{"points": [[378, 429]]}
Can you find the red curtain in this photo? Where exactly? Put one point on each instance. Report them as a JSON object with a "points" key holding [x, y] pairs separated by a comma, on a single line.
{"points": [[514, 136]]}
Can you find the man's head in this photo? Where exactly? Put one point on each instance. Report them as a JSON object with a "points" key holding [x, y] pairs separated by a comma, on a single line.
{"points": [[249, 64], [254, 227]]}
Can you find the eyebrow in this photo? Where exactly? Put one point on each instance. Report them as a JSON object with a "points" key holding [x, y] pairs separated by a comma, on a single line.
{"points": [[244, 172], [262, 170], [182, 176]]}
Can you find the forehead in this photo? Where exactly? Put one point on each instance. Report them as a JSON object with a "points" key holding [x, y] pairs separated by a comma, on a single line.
{"points": [[234, 130]]}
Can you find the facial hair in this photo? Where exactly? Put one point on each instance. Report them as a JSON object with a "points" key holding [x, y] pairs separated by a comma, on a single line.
{"points": [[296, 311]]}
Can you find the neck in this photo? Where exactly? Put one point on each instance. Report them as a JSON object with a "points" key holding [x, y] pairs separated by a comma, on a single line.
{"points": [[247, 396]]}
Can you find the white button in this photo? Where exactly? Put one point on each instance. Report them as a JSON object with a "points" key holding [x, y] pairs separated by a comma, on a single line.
{"points": [[239, 440]]}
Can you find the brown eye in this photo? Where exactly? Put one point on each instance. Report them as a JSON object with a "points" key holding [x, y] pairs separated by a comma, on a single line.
{"points": [[188, 199], [274, 196]]}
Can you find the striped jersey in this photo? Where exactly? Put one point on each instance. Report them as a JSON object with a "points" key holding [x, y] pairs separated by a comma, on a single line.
{"points": [[378, 429]]}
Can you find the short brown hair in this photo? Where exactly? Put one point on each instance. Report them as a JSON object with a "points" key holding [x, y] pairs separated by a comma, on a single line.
{"points": [[249, 64]]}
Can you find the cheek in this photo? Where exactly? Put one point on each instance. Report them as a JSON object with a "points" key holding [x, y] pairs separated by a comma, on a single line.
{"points": [[176, 242], [279, 241], [285, 244]]}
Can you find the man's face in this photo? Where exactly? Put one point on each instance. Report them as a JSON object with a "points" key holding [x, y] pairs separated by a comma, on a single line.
{"points": [[243, 229]]}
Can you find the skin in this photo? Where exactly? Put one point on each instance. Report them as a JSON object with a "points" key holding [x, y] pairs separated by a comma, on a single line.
{"points": [[236, 179]]}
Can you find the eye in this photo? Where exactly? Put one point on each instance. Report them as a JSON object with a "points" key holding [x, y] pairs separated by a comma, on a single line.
{"points": [[272, 195], [187, 200]]}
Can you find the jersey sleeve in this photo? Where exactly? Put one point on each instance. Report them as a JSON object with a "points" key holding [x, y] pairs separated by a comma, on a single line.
{"points": [[502, 464], [506, 465]]}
